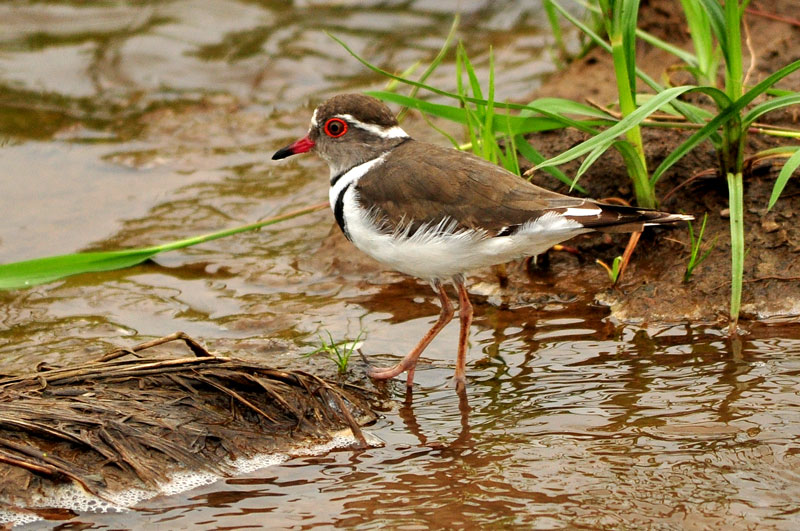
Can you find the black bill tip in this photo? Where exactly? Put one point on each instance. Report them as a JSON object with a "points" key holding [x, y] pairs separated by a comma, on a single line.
{"points": [[300, 146], [283, 153]]}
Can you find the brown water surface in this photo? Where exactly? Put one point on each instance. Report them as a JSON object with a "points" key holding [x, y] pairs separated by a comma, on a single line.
{"points": [[127, 125]]}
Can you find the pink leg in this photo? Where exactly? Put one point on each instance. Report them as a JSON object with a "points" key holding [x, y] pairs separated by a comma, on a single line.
{"points": [[465, 315], [410, 361]]}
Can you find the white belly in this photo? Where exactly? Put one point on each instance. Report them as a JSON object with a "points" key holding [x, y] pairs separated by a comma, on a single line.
{"points": [[440, 251]]}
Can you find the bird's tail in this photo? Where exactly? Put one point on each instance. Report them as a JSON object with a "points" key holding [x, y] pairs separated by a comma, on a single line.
{"points": [[615, 218]]}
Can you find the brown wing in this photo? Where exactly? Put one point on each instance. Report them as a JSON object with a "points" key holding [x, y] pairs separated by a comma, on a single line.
{"points": [[421, 183]]}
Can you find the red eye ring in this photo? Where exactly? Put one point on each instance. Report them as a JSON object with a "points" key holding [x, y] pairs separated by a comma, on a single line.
{"points": [[335, 127]]}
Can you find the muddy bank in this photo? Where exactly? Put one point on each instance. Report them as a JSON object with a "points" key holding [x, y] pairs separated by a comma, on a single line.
{"points": [[652, 288]]}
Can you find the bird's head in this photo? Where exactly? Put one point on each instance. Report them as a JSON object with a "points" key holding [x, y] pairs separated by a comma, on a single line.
{"points": [[347, 130]]}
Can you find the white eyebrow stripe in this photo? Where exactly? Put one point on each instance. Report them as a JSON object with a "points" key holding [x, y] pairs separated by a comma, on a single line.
{"points": [[314, 118], [579, 212], [392, 132]]}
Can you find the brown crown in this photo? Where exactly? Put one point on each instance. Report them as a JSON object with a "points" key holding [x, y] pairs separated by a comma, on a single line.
{"points": [[361, 107]]}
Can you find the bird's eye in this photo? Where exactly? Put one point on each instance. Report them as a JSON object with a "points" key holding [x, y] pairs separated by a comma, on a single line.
{"points": [[335, 127]]}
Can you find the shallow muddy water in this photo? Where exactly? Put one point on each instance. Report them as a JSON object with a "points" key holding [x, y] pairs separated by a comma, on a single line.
{"points": [[124, 126]]}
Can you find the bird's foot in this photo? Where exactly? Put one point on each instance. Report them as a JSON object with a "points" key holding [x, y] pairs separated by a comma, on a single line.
{"points": [[386, 373]]}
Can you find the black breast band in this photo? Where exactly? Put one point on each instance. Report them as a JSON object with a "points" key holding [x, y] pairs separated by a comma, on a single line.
{"points": [[338, 210]]}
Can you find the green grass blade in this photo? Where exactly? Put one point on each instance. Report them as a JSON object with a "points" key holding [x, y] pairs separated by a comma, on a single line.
{"points": [[643, 189], [564, 106], [730, 110], [777, 150], [501, 122], [789, 167], [768, 106], [716, 19], [632, 120], [471, 120], [702, 38], [469, 114], [780, 92], [474, 84], [449, 112], [439, 56], [460, 92], [530, 153], [41, 270], [685, 109], [695, 259], [510, 159], [680, 53], [669, 108], [591, 158], [628, 17], [473, 128], [623, 51], [732, 51], [478, 109], [555, 28], [736, 203], [490, 148], [392, 85]]}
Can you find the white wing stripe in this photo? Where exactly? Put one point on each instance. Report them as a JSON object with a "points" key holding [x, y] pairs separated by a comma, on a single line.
{"points": [[580, 212]]}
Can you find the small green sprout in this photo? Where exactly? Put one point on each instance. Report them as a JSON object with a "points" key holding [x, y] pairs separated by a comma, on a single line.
{"points": [[340, 352], [613, 270], [695, 259]]}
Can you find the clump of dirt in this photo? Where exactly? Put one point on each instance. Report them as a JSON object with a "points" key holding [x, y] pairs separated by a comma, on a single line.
{"points": [[136, 416], [653, 288]]}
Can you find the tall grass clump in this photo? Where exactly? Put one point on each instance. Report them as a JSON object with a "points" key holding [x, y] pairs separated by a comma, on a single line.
{"points": [[715, 29], [733, 119]]}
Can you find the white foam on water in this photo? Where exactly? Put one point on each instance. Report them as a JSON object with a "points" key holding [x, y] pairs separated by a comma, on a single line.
{"points": [[73, 497], [17, 518], [245, 465], [341, 439]]}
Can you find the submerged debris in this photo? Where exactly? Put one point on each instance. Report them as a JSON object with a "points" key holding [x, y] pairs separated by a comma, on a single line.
{"points": [[128, 420]]}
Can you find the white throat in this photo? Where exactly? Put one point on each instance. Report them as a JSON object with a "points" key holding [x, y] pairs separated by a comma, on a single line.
{"points": [[351, 176]]}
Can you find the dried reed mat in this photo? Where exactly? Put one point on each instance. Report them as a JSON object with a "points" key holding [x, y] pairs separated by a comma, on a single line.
{"points": [[129, 420]]}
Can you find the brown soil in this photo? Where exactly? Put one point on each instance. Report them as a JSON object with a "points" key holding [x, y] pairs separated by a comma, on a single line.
{"points": [[652, 288]]}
